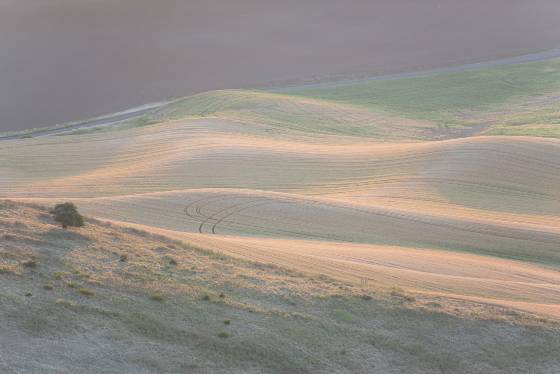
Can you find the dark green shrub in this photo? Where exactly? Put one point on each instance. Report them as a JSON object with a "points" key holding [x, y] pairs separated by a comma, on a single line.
{"points": [[67, 215]]}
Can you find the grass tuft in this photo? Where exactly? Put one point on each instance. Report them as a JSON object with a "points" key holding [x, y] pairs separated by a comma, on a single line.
{"points": [[8, 269], [157, 297], [86, 292]]}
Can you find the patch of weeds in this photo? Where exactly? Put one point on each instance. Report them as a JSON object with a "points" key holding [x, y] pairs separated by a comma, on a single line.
{"points": [[59, 275], [8, 269], [223, 335], [343, 315], [72, 284], [86, 292], [156, 296], [48, 287]]}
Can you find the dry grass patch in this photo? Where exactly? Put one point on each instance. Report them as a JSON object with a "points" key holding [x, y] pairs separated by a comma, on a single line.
{"points": [[157, 297], [72, 284], [59, 275], [86, 291], [9, 269]]}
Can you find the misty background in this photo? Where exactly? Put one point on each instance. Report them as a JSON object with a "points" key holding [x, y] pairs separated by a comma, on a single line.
{"points": [[66, 60]]}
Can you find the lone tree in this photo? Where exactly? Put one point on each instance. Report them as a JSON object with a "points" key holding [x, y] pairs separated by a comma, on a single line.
{"points": [[67, 215]]}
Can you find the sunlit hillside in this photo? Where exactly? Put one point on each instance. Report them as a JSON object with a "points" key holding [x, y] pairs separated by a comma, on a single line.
{"points": [[440, 191]]}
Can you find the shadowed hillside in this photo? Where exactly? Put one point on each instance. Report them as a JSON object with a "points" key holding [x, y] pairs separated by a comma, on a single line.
{"points": [[124, 300]]}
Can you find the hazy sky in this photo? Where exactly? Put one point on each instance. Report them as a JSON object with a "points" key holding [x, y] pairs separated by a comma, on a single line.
{"points": [[64, 60]]}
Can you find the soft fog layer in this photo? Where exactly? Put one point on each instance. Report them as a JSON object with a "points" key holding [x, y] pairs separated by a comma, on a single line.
{"points": [[65, 60]]}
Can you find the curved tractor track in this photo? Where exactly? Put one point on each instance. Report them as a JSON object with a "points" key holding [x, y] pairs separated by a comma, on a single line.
{"points": [[289, 217], [214, 219]]}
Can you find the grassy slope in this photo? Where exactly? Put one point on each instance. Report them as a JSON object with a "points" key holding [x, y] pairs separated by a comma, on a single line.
{"points": [[452, 99], [517, 99], [80, 308], [290, 113]]}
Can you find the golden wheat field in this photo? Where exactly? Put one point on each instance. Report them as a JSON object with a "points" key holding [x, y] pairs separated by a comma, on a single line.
{"points": [[327, 185]]}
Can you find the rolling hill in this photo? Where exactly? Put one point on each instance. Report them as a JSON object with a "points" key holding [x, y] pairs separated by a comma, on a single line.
{"points": [[443, 187]]}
